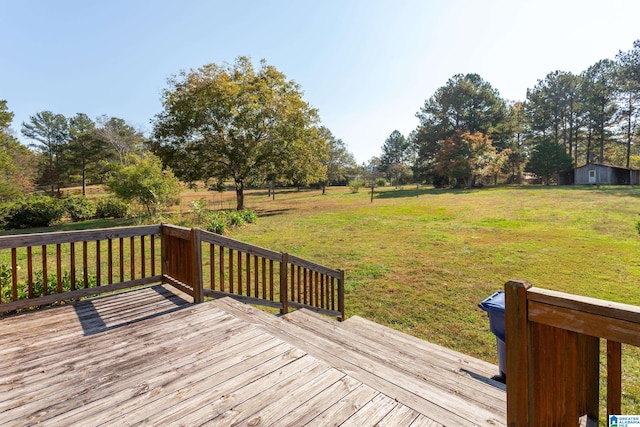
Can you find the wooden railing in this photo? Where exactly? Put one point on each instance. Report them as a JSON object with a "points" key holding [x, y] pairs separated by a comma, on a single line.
{"points": [[553, 355], [261, 276], [51, 267]]}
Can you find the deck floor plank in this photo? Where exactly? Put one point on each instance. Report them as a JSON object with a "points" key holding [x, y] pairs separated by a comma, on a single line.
{"points": [[149, 357]]}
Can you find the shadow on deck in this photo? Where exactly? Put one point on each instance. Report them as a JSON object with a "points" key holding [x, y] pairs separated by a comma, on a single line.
{"points": [[149, 357]]}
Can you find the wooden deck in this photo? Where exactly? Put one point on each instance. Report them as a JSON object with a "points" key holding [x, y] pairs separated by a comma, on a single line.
{"points": [[147, 357]]}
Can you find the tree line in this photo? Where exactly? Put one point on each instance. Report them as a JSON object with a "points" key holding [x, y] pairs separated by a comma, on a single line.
{"points": [[468, 134], [219, 123]]}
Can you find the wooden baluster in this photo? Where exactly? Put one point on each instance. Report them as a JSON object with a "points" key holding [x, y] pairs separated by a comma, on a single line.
{"points": [[29, 271], [231, 270], [85, 268], [153, 254], [72, 265], [221, 261], [58, 268], [132, 257], [255, 275], [322, 292], [306, 286], [98, 269], [264, 279], [143, 259], [212, 269], [14, 274], [332, 294], [110, 260], [271, 279], [239, 254], [121, 253], [247, 273], [45, 279], [614, 378]]}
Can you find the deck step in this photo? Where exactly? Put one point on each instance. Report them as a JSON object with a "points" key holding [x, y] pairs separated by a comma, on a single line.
{"points": [[406, 388], [423, 349], [451, 372]]}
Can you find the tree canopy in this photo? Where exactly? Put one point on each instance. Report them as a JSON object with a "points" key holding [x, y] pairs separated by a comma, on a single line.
{"points": [[233, 121]]}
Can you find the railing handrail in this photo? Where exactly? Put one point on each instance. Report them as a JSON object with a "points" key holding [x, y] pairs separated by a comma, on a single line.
{"points": [[237, 245], [59, 237]]}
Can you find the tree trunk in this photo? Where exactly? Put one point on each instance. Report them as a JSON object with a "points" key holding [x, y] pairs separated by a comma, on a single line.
{"points": [[629, 131], [324, 188], [84, 177], [239, 195]]}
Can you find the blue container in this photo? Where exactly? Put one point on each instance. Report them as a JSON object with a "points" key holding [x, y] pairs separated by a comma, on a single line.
{"points": [[494, 306]]}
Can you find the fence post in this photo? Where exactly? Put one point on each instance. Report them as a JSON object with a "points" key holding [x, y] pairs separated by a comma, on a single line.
{"points": [[196, 272], [519, 381], [341, 296], [284, 294]]}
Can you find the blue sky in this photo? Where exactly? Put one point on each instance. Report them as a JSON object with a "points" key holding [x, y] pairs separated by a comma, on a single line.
{"points": [[368, 66]]}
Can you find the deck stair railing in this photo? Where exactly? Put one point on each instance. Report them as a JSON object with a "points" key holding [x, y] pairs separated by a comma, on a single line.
{"points": [[553, 355], [49, 267]]}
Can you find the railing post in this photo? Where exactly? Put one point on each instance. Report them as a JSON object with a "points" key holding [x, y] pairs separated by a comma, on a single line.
{"points": [[284, 294], [519, 381], [341, 296], [196, 272]]}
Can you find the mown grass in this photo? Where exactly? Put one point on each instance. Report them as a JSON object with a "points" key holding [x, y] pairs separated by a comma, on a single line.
{"points": [[422, 264]]}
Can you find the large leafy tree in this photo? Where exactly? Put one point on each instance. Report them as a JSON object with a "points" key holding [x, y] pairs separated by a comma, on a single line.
{"points": [[51, 135], [467, 156], [17, 162], [233, 121], [143, 179], [340, 163], [548, 158], [465, 103]]}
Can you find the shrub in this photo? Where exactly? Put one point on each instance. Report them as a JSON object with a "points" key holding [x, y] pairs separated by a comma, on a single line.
{"points": [[381, 182], [235, 218], [355, 185], [112, 208], [216, 223], [249, 216], [35, 211], [80, 208]]}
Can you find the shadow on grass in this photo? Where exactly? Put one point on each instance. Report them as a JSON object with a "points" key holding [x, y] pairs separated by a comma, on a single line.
{"points": [[263, 213], [614, 190]]}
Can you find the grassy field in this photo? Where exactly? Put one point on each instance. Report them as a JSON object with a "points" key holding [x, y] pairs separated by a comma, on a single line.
{"points": [[421, 262]]}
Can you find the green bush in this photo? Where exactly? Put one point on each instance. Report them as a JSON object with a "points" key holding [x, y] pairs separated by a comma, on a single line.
{"points": [[381, 182], [112, 208], [35, 211], [235, 218], [355, 185], [80, 208], [216, 223], [249, 216]]}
